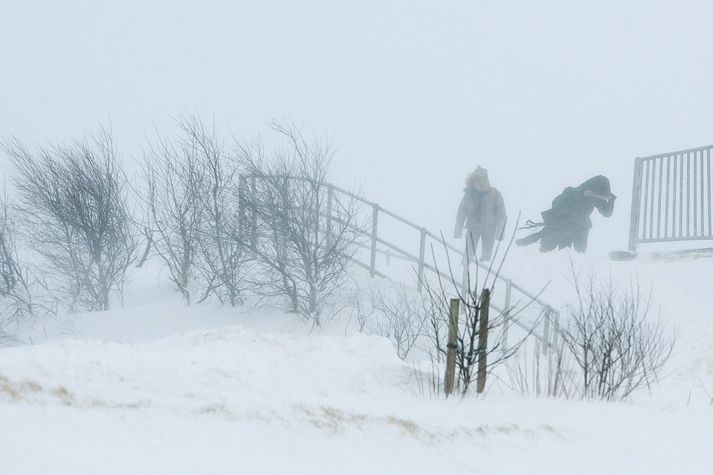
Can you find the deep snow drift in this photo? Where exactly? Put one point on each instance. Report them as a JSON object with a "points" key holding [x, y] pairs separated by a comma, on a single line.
{"points": [[160, 388]]}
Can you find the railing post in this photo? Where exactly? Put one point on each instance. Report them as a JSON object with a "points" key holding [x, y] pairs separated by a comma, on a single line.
{"points": [[421, 259], [506, 314], [635, 205], [253, 217], [374, 237]]}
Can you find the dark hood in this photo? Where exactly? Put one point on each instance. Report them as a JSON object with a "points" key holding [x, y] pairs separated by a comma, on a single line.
{"points": [[598, 184]]}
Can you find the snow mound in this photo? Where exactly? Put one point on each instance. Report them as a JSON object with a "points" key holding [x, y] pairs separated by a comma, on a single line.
{"points": [[230, 370]]}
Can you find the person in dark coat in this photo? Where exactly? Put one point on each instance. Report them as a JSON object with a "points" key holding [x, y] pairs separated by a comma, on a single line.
{"points": [[482, 213], [567, 222]]}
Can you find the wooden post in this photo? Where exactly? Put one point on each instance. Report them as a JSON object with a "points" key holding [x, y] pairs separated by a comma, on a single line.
{"points": [[483, 339], [374, 236], [452, 346], [421, 260], [506, 314]]}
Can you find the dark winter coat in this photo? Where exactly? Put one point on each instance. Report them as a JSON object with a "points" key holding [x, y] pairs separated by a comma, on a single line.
{"points": [[485, 209], [572, 208], [567, 222]]}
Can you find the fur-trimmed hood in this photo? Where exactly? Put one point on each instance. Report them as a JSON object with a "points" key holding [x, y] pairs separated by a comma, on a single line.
{"points": [[480, 174]]}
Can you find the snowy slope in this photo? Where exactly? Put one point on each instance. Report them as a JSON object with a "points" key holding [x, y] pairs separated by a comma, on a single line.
{"points": [[233, 400], [160, 388]]}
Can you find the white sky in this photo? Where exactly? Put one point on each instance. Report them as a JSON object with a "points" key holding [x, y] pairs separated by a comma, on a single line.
{"points": [[415, 94]]}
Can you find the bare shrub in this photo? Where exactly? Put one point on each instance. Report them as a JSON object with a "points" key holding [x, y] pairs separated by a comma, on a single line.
{"points": [[72, 199], [530, 372], [404, 313], [174, 199], [469, 292], [15, 298], [303, 249], [360, 307], [612, 341], [192, 207], [222, 244]]}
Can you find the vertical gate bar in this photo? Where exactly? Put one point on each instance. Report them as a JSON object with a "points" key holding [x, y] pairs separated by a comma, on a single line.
{"points": [[680, 197], [652, 208], [374, 237], [688, 194], [708, 170], [635, 205], [658, 205], [702, 208], [668, 195], [647, 166], [694, 178], [673, 195]]}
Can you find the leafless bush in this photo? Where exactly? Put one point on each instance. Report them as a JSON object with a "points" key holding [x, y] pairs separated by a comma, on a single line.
{"points": [[223, 253], [360, 307], [531, 372], [302, 247], [15, 298], [617, 349], [176, 181], [404, 314], [72, 199], [192, 203], [469, 353]]}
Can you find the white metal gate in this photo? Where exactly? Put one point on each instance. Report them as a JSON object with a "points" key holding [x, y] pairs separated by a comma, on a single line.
{"points": [[671, 199]]}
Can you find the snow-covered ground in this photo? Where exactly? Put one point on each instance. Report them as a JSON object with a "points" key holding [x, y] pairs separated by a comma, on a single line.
{"points": [[156, 387]]}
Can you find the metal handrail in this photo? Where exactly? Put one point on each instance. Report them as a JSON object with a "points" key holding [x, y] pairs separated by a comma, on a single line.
{"points": [[419, 260]]}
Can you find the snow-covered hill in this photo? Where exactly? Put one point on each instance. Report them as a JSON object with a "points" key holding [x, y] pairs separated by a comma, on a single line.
{"points": [[160, 388], [232, 400]]}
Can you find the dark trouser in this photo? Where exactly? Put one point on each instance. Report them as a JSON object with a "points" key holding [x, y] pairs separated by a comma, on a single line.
{"points": [[472, 237], [552, 237]]}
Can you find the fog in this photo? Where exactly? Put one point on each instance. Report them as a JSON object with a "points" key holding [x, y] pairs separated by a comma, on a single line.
{"points": [[413, 94]]}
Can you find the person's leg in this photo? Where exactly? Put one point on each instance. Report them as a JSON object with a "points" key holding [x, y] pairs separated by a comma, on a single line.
{"points": [[531, 239], [580, 240], [472, 238], [548, 239], [487, 248]]}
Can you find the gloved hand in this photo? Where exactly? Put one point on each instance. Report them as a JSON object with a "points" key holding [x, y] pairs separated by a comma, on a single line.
{"points": [[597, 196]]}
